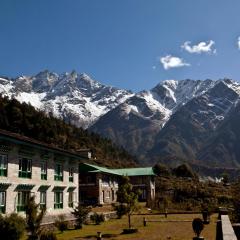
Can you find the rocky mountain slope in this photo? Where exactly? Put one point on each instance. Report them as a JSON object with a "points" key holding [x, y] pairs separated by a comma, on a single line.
{"points": [[74, 97], [175, 121], [186, 120]]}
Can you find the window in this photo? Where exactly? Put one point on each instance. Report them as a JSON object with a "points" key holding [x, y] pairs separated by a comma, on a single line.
{"points": [[3, 165], [22, 199], [71, 174], [58, 172], [43, 195], [25, 167], [58, 200], [44, 170], [2, 202], [70, 199]]}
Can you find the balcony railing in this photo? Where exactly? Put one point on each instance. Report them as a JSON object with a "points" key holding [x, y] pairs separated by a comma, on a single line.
{"points": [[24, 174], [70, 204], [21, 208], [43, 176], [58, 177], [2, 209], [3, 172], [42, 206], [58, 205]]}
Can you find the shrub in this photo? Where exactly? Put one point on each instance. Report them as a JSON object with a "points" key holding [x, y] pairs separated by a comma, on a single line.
{"points": [[197, 225], [12, 227], [80, 213], [48, 235], [120, 209], [33, 218], [161, 170], [61, 223], [97, 218], [184, 170]]}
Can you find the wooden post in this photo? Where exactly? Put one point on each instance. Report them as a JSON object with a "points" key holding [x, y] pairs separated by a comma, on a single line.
{"points": [[99, 236], [144, 222]]}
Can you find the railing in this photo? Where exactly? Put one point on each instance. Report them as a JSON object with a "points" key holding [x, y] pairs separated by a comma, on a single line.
{"points": [[227, 229], [3, 172], [24, 174], [21, 208], [58, 205], [224, 227], [2, 209], [58, 177], [43, 176]]}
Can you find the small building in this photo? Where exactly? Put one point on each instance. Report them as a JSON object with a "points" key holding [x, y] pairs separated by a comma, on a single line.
{"points": [[98, 185], [29, 167]]}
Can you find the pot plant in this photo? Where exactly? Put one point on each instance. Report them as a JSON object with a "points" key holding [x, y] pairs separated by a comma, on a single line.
{"points": [[197, 225]]}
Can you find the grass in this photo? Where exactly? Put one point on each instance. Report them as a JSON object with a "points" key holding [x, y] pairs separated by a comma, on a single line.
{"points": [[154, 231]]}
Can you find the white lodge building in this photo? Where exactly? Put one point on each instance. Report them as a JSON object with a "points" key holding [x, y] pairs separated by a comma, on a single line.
{"points": [[59, 179], [28, 167]]}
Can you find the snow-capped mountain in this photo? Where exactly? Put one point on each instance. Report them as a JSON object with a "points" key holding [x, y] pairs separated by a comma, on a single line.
{"points": [[174, 120], [73, 97], [135, 123]]}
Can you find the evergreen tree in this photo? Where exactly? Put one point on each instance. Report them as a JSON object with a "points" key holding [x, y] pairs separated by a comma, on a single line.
{"points": [[33, 218], [127, 197]]}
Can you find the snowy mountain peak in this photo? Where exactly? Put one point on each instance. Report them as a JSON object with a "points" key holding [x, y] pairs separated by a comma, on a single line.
{"points": [[74, 97]]}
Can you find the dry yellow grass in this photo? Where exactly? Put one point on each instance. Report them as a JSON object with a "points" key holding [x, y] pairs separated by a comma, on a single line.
{"points": [[153, 231]]}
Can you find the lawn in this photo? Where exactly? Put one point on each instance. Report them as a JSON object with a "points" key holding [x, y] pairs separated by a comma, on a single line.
{"points": [[154, 231]]}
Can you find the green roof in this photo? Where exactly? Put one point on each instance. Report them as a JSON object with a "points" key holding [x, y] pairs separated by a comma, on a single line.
{"points": [[85, 167], [147, 171]]}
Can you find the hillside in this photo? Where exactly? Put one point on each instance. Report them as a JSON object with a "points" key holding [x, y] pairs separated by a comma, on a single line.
{"points": [[25, 120]]}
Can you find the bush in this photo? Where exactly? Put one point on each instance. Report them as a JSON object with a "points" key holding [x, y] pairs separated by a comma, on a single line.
{"points": [[12, 227], [161, 170], [48, 235], [97, 218], [120, 209], [80, 213], [33, 218], [61, 223], [197, 225], [184, 171]]}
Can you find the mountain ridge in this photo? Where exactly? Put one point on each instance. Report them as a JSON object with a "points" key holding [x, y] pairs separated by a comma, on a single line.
{"points": [[176, 119]]}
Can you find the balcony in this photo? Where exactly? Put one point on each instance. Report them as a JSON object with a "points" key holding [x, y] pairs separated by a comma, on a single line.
{"points": [[25, 174], [58, 177], [3, 172]]}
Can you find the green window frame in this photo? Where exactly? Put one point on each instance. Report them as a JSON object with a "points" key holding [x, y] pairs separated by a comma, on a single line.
{"points": [[43, 199], [71, 174], [25, 167], [58, 200], [58, 172], [3, 165], [22, 199], [2, 201], [70, 199], [43, 170]]}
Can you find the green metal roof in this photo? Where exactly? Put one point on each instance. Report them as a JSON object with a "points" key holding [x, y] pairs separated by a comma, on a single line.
{"points": [[85, 167], [147, 171]]}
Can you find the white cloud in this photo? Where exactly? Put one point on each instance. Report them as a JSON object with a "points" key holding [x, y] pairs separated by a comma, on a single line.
{"points": [[238, 43], [172, 62], [201, 47], [154, 67]]}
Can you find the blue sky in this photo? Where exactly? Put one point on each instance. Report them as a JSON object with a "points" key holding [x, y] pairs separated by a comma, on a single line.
{"points": [[121, 42]]}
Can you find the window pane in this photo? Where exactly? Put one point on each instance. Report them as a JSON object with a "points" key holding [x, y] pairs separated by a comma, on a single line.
{"points": [[43, 197], [2, 198]]}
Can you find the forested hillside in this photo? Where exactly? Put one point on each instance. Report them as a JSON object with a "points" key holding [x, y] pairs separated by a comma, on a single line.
{"points": [[25, 120]]}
